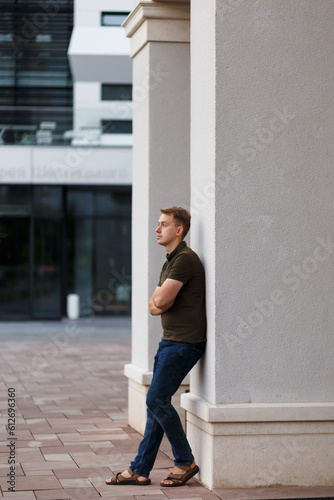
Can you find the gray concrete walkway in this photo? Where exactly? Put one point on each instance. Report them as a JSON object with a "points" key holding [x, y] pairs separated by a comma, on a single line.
{"points": [[116, 329], [70, 430]]}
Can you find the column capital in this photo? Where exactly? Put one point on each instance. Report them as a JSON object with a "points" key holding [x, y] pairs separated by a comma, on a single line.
{"points": [[158, 22]]}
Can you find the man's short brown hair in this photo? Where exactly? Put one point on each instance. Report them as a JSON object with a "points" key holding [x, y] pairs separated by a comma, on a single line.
{"points": [[181, 216]]}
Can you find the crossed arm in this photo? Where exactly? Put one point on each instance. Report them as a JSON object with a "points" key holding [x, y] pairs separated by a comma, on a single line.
{"points": [[164, 296]]}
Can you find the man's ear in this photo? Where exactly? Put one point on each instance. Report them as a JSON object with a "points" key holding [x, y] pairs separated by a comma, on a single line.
{"points": [[179, 230]]}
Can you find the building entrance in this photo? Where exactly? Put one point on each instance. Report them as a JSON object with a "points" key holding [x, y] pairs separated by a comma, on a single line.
{"points": [[58, 240]]}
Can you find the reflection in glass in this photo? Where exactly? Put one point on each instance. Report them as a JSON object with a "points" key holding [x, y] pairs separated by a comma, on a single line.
{"points": [[113, 203], [15, 199], [14, 268], [47, 200], [80, 202], [116, 126], [46, 292], [37, 273], [116, 92], [34, 56], [112, 270], [80, 259], [113, 18]]}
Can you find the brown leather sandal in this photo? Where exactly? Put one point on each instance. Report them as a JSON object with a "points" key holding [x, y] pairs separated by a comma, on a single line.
{"points": [[180, 479], [119, 480]]}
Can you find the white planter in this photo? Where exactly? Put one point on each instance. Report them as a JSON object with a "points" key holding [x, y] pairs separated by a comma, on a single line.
{"points": [[73, 306]]}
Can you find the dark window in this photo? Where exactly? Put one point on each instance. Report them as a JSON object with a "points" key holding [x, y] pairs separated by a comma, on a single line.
{"points": [[99, 248], [113, 202], [111, 290], [15, 200], [80, 202], [117, 126], [35, 78], [47, 268], [57, 240], [111, 92], [15, 267], [47, 200], [113, 18]]}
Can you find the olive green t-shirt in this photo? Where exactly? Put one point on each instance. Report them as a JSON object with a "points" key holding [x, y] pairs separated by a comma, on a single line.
{"points": [[185, 321]]}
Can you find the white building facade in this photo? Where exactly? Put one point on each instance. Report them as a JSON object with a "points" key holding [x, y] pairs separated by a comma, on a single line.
{"points": [[249, 150], [65, 158]]}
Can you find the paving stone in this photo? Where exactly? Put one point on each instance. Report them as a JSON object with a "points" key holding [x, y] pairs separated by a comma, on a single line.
{"points": [[275, 493], [47, 465], [80, 419], [114, 448], [45, 436], [44, 441], [151, 497], [66, 448], [86, 427], [104, 432], [4, 457], [124, 491], [33, 483], [4, 471], [61, 429], [98, 461], [23, 435], [74, 435], [33, 413], [68, 494], [110, 425], [112, 496], [38, 472], [58, 421], [88, 454], [85, 472], [75, 483], [62, 457], [186, 491], [18, 495], [118, 437], [29, 455], [87, 438], [187, 497]]}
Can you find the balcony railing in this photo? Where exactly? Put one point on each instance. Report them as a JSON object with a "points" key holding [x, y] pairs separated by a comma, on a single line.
{"points": [[45, 126]]}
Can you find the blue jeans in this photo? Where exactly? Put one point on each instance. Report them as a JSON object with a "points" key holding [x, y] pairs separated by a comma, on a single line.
{"points": [[172, 362]]}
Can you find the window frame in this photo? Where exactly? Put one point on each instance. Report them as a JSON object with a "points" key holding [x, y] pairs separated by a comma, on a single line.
{"points": [[113, 13], [105, 86]]}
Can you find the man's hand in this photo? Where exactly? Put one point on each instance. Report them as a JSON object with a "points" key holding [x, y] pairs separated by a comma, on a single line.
{"points": [[164, 296], [155, 311]]}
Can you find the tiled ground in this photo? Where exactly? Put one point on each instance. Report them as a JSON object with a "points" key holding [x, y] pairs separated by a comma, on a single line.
{"points": [[71, 427]]}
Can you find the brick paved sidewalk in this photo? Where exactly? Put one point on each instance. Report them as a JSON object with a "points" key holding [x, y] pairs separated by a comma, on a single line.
{"points": [[71, 427]]}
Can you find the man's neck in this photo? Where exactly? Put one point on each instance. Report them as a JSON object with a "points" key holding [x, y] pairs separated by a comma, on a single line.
{"points": [[169, 248]]}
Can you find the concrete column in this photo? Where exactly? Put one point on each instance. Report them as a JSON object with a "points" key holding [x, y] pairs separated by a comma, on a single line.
{"points": [[261, 407], [160, 36]]}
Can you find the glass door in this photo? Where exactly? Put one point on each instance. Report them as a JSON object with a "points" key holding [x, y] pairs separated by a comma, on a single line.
{"points": [[46, 302], [80, 261], [15, 268], [31, 252], [112, 267]]}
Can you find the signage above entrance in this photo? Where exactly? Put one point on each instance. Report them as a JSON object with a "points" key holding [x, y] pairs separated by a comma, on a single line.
{"points": [[66, 165]]}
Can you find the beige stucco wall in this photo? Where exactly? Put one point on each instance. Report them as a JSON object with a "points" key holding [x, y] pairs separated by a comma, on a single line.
{"points": [[267, 139], [160, 174], [261, 184]]}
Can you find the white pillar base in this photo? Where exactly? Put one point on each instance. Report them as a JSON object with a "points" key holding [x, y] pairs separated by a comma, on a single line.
{"points": [[139, 384], [261, 445]]}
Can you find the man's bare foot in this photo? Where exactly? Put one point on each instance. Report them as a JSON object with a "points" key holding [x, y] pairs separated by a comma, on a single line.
{"points": [[127, 475], [176, 470]]}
